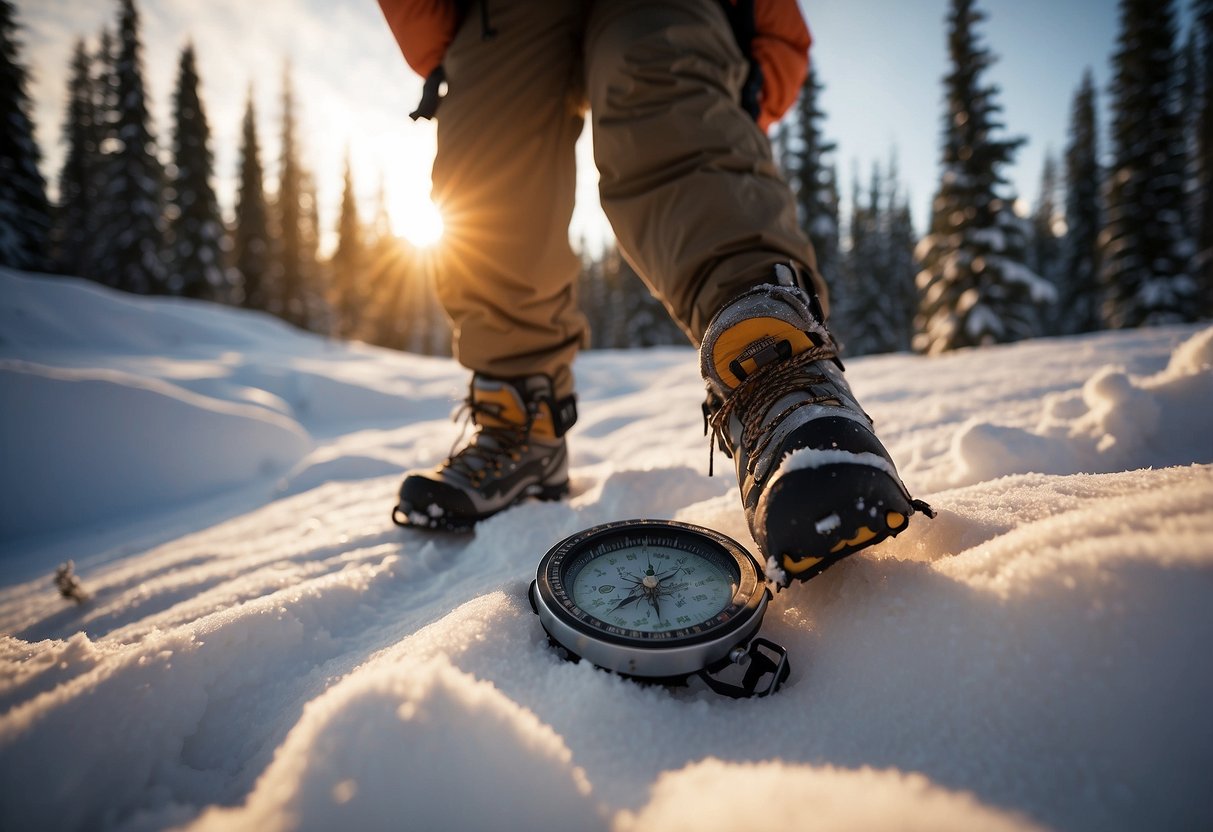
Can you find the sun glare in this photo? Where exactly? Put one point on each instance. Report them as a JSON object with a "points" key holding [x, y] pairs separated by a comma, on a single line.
{"points": [[417, 220]]}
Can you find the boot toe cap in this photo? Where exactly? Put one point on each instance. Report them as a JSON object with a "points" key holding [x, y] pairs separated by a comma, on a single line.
{"points": [[426, 501], [810, 518]]}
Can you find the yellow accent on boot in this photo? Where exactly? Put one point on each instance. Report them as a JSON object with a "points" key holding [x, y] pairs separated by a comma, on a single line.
{"points": [[503, 407], [508, 411], [797, 566], [861, 537], [745, 340]]}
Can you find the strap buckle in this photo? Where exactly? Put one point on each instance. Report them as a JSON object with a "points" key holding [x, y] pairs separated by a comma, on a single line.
{"points": [[564, 413], [431, 95]]}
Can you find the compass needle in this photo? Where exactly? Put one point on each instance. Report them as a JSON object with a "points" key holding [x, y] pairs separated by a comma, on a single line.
{"points": [[629, 600]]}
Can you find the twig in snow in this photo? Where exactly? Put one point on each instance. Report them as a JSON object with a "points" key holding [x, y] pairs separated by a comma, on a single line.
{"points": [[69, 584]]}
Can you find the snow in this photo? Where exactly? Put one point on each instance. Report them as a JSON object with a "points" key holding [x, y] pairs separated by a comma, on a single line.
{"points": [[265, 649], [1116, 421], [806, 458], [1039, 289], [828, 524], [196, 445], [994, 239]]}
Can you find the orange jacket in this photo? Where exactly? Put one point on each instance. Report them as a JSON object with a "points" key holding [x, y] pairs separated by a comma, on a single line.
{"points": [[424, 29], [781, 47]]}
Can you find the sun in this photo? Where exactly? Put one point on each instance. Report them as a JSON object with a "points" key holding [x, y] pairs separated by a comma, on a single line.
{"points": [[417, 219]]}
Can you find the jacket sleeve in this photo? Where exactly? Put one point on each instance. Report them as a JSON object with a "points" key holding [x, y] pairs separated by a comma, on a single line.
{"points": [[423, 30], [781, 47]]}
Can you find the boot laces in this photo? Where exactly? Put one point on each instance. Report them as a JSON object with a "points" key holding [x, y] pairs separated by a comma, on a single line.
{"points": [[757, 394], [491, 445]]}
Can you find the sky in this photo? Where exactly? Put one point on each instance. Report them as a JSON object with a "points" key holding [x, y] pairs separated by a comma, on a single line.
{"points": [[881, 62]]}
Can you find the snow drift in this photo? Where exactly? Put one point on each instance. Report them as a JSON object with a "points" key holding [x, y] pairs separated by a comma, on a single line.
{"points": [[1116, 422], [184, 445], [281, 657]]}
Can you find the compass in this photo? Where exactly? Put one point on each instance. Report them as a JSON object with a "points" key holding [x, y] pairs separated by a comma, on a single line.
{"points": [[659, 600]]}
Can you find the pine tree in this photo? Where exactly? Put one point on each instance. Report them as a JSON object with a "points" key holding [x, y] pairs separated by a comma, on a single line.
{"points": [[813, 181], [853, 319], [427, 327], [379, 231], [1146, 250], [291, 301], [196, 232], [1079, 296], [25, 218], [387, 321], [621, 311], [896, 297], [382, 253], [902, 269], [251, 242], [646, 321], [71, 241], [131, 233], [1203, 210], [416, 306], [348, 263], [441, 340], [105, 95], [314, 274], [612, 318], [591, 294], [975, 287], [1189, 67], [105, 109], [879, 301], [1044, 253]]}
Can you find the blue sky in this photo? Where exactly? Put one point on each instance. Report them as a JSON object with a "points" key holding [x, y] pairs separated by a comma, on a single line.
{"points": [[881, 62]]}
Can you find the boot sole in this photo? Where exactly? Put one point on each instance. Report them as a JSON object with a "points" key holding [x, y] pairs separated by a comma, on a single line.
{"points": [[816, 517], [408, 518]]}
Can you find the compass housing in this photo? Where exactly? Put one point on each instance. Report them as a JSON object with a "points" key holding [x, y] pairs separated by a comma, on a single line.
{"points": [[656, 652]]}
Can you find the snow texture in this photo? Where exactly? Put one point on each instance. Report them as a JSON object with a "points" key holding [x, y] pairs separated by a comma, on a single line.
{"points": [[279, 656]]}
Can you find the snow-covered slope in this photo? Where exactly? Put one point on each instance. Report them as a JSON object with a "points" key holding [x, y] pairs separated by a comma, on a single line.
{"points": [[265, 650]]}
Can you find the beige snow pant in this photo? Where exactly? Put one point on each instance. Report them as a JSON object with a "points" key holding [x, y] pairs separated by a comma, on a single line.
{"points": [[686, 177]]}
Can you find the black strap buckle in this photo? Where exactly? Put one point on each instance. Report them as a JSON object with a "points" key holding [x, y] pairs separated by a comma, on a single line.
{"points": [[564, 414], [431, 96], [761, 658]]}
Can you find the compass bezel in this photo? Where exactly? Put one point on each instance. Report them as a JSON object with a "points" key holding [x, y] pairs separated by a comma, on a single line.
{"points": [[661, 653]]}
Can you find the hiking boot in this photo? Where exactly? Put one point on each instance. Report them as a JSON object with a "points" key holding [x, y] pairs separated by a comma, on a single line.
{"points": [[517, 451], [815, 481]]}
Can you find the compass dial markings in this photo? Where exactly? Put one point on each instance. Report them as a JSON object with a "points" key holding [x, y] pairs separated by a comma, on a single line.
{"points": [[657, 572]]}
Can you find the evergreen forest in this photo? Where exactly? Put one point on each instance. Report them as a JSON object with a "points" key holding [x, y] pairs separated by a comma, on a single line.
{"points": [[1120, 236]]}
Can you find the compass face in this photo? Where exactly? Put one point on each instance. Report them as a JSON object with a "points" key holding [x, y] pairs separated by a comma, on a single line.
{"points": [[636, 583], [647, 586]]}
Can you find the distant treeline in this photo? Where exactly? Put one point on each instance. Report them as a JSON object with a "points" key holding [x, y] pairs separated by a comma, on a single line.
{"points": [[1121, 245], [1125, 245]]}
